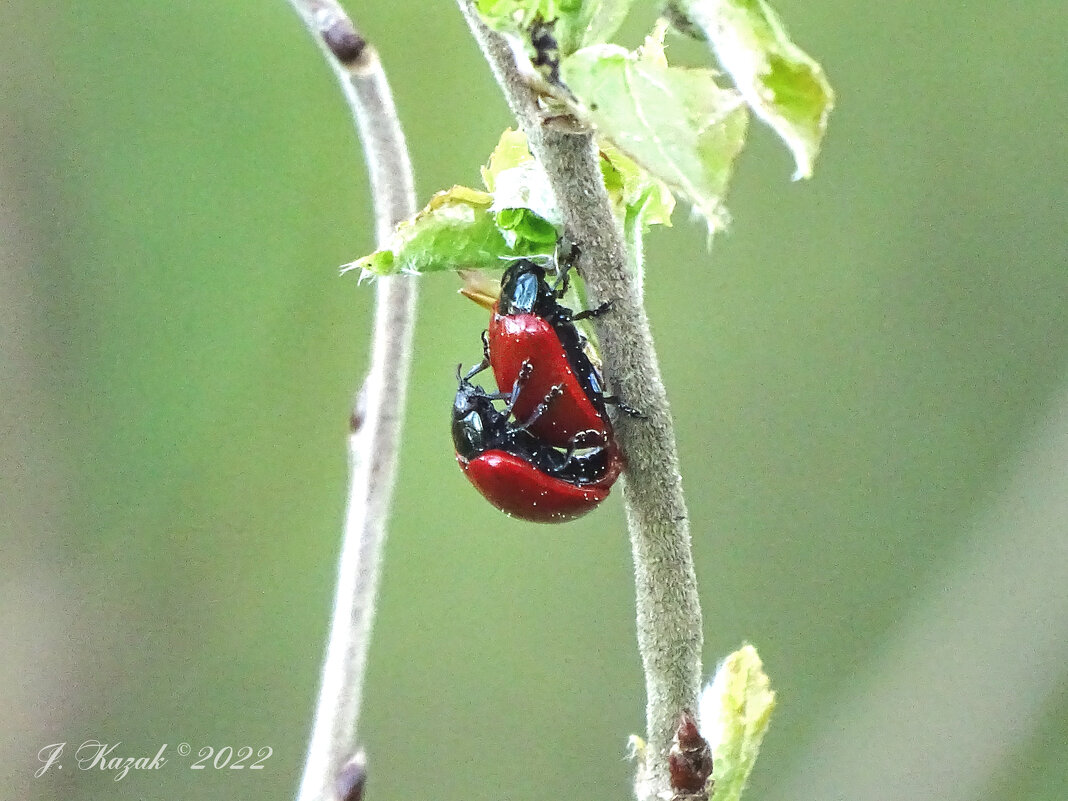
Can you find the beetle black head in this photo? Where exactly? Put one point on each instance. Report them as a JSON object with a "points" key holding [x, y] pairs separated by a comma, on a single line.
{"points": [[468, 434], [524, 289], [473, 418]]}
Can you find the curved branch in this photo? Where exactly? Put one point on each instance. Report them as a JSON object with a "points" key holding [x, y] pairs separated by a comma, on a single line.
{"points": [[377, 414], [669, 622]]}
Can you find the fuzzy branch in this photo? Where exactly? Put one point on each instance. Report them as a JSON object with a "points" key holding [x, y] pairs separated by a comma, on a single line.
{"points": [[377, 414], [668, 609]]}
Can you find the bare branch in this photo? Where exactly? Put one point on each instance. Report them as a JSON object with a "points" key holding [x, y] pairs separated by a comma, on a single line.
{"points": [[378, 411], [668, 609]]}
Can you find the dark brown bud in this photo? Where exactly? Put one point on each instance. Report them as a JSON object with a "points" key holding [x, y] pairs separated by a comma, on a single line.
{"points": [[351, 779], [344, 41], [359, 411], [690, 758]]}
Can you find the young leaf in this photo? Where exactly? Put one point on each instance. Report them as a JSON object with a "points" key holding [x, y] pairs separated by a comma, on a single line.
{"points": [[464, 228], [456, 229], [467, 229], [734, 712], [638, 200], [634, 192], [523, 201], [525, 187], [783, 85], [518, 183], [595, 23], [511, 151], [674, 122], [575, 23]]}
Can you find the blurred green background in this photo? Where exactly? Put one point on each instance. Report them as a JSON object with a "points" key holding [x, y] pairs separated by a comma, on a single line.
{"points": [[869, 375]]}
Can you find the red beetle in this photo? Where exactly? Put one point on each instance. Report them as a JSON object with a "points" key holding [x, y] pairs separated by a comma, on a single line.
{"points": [[530, 326], [516, 471]]}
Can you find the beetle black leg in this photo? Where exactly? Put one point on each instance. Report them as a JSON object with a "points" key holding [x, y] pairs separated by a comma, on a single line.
{"points": [[525, 371], [478, 368], [556, 391], [563, 282], [591, 313], [630, 411], [567, 255], [465, 380], [485, 344], [591, 438]]}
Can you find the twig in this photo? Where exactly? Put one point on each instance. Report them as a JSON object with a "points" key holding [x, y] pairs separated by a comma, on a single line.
{"points": [[668, 609], [378, 410]]}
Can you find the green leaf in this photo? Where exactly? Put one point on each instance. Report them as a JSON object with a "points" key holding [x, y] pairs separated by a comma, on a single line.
{"points": [[521, 13], [595, 23], [676, 123], [575, 23], [734, 712], [784, 86], [511, 151], [465, 229], [526, 232], [523, 201], [456, 230], [519, 184], [634, 192], [525, 186], [638, 199]]}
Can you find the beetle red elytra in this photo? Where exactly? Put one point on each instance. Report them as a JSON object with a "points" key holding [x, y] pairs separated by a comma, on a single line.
{"points": [[515, 470], [529, 324], [559, 457]]}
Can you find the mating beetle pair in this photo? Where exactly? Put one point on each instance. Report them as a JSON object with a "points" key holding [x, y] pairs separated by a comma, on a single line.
{"points": [[559, 459]]}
